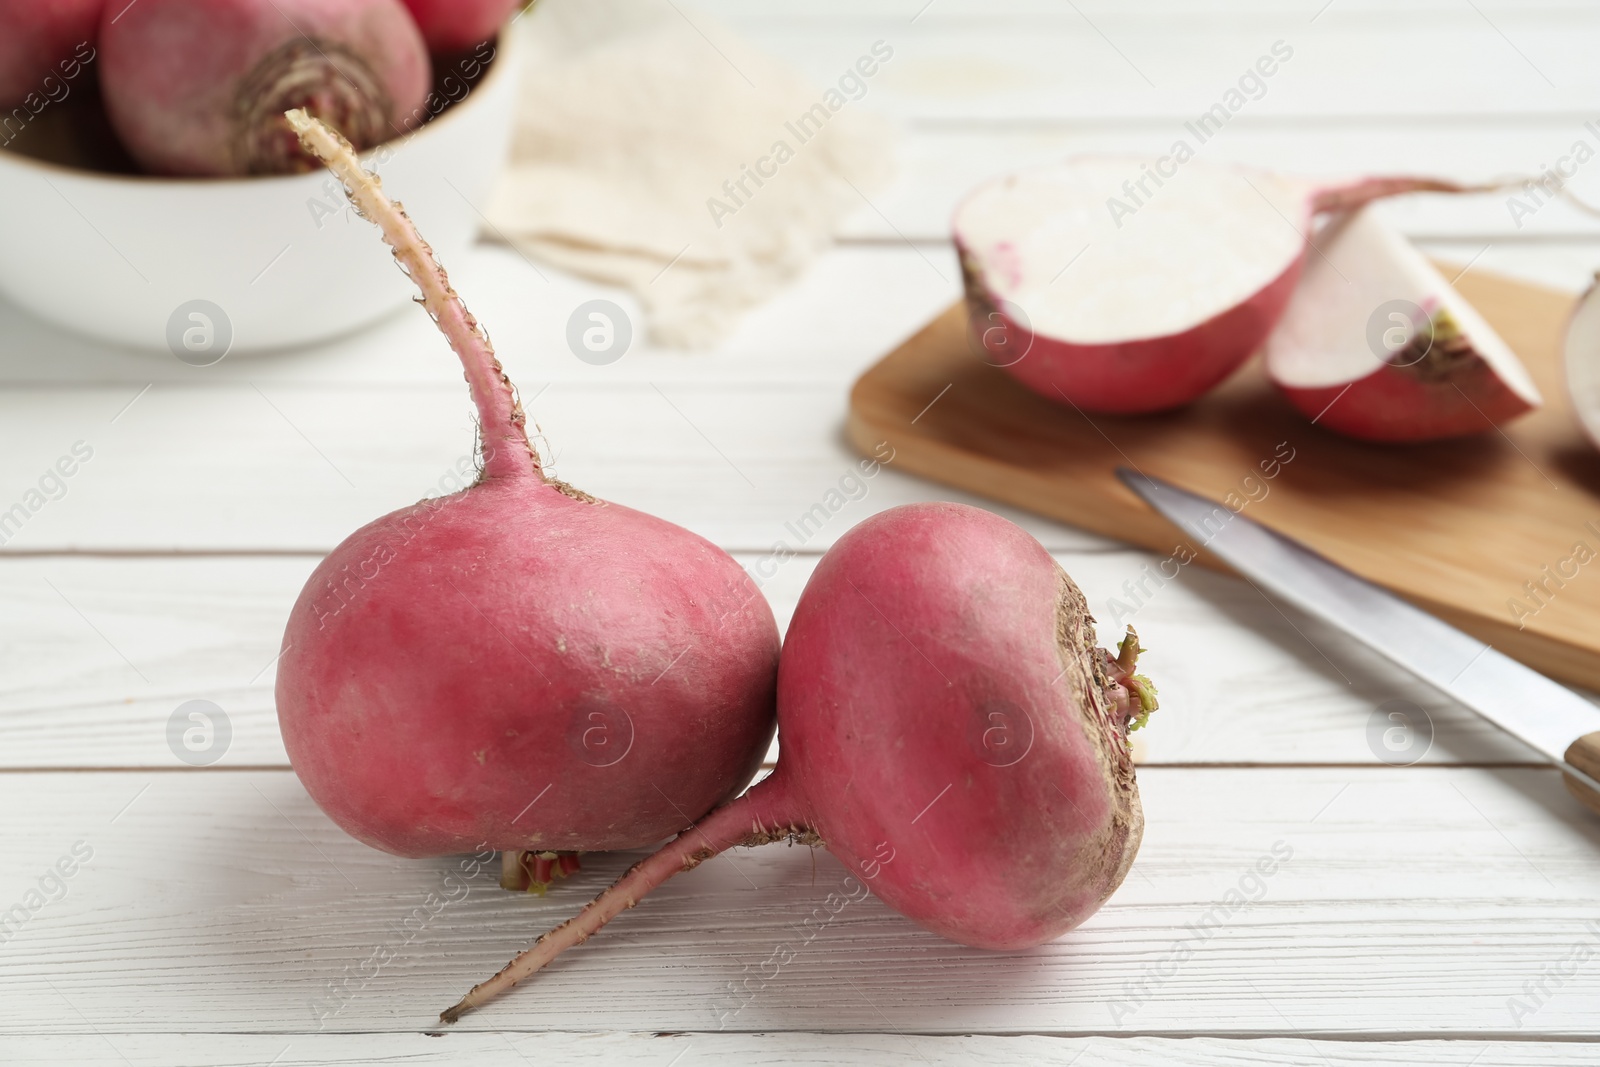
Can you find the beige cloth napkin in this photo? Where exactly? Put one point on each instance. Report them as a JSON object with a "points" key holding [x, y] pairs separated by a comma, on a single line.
{"points": [[643, 133]]}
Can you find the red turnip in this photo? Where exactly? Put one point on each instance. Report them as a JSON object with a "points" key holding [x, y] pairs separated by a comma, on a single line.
{"points": [[36, 38], [950, 732], [456, 25], [1582, 359], [517, 666], [1118, 287], [1376, 344], [199, 87]]}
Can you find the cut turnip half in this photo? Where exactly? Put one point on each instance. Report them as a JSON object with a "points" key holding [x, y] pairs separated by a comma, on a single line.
{"points": [[1377, 344], [1129, 285], [1583, 361]]}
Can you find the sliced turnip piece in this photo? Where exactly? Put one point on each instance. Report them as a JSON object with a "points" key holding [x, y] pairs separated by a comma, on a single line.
{"points": [[1121, 285], [1377, 344], [1583, 361]]}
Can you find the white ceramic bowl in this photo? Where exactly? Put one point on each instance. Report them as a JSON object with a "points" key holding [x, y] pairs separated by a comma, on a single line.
{"points": [[124, 258]]}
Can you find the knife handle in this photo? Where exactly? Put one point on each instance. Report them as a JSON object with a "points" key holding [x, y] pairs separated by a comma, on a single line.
{"points": [[1584, 754]]}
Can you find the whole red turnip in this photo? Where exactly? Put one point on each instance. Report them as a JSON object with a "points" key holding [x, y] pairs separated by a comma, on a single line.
{"points": [[517, 666], [199, 87], [950, 732], [455, 25], [36, 38]]}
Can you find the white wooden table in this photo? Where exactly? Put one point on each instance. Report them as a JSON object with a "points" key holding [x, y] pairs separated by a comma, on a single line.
{"points": [[1447, 912]]}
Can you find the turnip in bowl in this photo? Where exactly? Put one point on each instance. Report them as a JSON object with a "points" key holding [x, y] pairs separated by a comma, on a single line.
{"points": [[205, 266]]}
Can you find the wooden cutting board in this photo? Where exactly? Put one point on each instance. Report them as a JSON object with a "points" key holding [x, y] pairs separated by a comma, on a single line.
{"points": [[1455, 527]]}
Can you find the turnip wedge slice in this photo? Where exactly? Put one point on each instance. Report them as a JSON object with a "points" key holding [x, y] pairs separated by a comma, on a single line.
{"points": [[1377, 344]]}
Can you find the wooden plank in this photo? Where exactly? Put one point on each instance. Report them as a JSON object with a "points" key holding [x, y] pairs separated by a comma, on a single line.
{"points": [[1457, 527], [1419, 902], [940, 163], [286, 453], [749, 14], [97, 654], [1042, 59], [760, 1050], [299, 468], [855, 303], [851, 306]]}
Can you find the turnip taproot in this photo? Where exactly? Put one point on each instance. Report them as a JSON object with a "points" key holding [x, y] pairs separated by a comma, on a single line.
{"points": [[451, 26], [950, 732], [1092, 294], [1376, 344], [38, 39], [517, 666], [199, 87]]}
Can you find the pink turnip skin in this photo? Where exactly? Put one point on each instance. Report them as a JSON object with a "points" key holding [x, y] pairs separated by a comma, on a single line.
{"points": [[36, 36], [451, 26], [940, 652], [950, 732], [518, 666], [199, 87], [1143, 374], [1424, 402], [516, 641]]}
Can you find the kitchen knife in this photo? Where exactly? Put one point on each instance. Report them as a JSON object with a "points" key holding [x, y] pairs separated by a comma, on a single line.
{"points": [[1558, 723]]}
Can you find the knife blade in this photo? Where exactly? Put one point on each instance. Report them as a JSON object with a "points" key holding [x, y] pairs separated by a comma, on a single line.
{"points": [[1559, 724]]}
